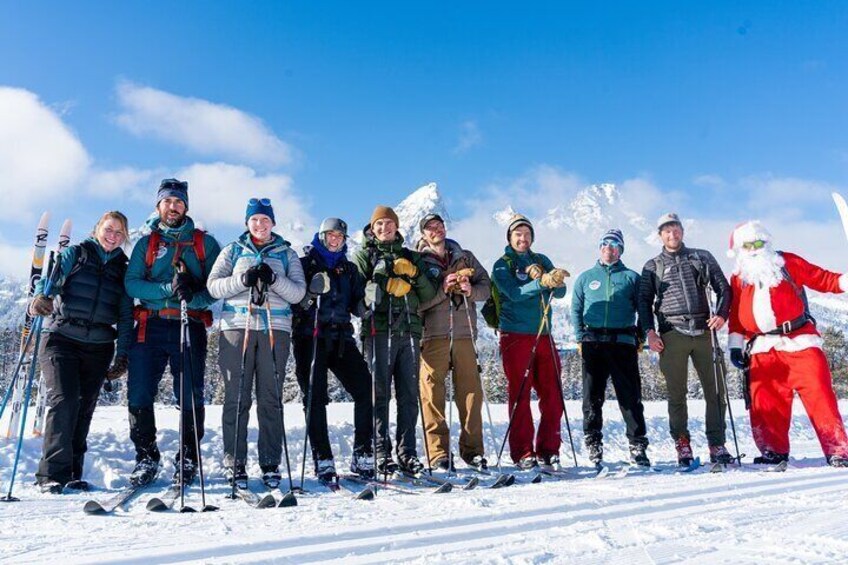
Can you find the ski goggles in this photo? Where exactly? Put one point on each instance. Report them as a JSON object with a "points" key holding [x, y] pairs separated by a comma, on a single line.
{"points": [[611, 243], [259, 201], [751, 245], [173, 184]]}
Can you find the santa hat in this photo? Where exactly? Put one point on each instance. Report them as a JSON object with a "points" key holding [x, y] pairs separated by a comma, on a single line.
{"points": [[747, 232]]}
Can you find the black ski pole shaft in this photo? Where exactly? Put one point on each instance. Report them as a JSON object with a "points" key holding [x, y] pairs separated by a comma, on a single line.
{"points": [[482, 385], [415, 376], [244, 346], [309, 391], [720, 376], [374, 389], [450, 390], [272, 343], [557, 363], [386, 447], [524, 380]]}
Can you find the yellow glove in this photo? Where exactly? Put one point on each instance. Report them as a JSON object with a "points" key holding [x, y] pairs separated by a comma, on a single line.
{"points": [[535, 271], [549, 280], [559, 276], [462, 276], [580, 349], [404, 267], [398, 287]]}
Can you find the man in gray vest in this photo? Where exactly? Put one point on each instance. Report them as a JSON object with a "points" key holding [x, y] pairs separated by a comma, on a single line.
{"points": [[673, 286]]}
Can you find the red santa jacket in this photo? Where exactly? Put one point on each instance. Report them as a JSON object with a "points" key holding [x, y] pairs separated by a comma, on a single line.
{"points": [[755, 310]]}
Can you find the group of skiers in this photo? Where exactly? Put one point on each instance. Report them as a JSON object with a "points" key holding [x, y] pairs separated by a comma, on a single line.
{"points": [[108, 315]]}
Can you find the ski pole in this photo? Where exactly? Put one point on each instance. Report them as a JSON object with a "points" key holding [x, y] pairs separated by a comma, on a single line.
{"points": [[373, 367], [718, 368], [524, 380], [309, 390], [557, 362], [450, 390], [416, 376], [482, 387], [290, 501], [244, 345]]}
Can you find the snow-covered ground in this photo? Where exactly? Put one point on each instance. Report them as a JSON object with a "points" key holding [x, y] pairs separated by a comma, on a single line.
{"points": [[745, 516]]}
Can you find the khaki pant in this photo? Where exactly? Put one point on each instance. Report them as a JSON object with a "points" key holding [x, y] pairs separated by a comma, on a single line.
{"points": [[468, 397], [674, 365]]}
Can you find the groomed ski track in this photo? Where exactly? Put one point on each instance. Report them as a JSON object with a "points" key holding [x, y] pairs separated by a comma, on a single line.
{"points": [[743, 516]]}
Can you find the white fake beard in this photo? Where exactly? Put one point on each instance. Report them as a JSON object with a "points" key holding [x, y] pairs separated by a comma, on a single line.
{"points": [[762, 268]]}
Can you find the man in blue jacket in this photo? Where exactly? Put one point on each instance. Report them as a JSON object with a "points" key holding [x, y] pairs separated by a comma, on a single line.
{"points": [[168, 266], [603, 314]]}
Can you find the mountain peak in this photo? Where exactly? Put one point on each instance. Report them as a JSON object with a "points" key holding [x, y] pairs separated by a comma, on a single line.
{"points": [[424, 200]]}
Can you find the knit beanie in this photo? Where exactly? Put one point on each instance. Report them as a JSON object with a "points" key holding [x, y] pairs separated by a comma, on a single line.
{"points": [[615, 235], [382, 212], [259, 206], [172, 188], [518, 220]]}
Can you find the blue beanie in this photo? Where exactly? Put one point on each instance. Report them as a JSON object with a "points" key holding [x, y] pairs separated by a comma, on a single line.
{"points": [[614, 235], [172, 187], [259, 206]]}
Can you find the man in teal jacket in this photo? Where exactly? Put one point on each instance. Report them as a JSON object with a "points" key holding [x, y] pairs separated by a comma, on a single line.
{"points": [[603, 314], [168, 266]]}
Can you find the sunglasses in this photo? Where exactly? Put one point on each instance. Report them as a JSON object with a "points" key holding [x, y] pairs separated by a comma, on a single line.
{"points": [[612, 243], [749, 245], [182, 185], [262, 201]]}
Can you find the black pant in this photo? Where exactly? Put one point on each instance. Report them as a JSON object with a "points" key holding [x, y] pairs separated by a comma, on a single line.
{"points": [[341, 356], [74, 371], [602, 360]]}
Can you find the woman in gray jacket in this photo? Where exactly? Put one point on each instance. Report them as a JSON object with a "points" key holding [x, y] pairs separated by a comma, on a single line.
{"points": [[258, 276]]}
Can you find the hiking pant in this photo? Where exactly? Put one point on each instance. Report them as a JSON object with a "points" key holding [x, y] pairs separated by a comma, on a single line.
{"points": [[341, 356], [435, 361], [74, 371], [544, 372], [674, 365], [398, 365], [259, 376], [147, 361], [603, 361], [775, 375]]}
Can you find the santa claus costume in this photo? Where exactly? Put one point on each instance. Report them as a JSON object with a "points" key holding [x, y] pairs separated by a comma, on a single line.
{"points": [[769, 314]]}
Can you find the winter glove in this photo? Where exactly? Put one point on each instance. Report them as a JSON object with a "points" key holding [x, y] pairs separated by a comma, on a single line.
{"points": [[549, 280], [116, 371], [398, 287], [404, 267], [250, 278], [373, 294], [535, 271], [265, 273], [183, 284], [455, 281], [41, 306], [736, 358], [320, 283]]}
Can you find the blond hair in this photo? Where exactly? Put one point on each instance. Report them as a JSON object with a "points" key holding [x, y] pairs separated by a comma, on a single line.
{"points": [[114, 215]]}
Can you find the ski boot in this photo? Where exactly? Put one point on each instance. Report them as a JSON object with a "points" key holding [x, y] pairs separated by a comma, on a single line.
{"points": [[362, 464], [595, 452], [410, 464], [189, 471], [444, 464], [720, 454], [837, 461], [771, 458], [325, 470], [386, 466], [684, 452], [239, 477], [527, 463], [638, 456], [479, 463], [145, 472], [271, 476], [51, 487], [549, 462], [78, 485]]}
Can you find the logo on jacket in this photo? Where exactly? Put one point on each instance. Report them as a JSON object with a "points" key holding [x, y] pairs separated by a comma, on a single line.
{"points": [[594, 285], [162, 251]]}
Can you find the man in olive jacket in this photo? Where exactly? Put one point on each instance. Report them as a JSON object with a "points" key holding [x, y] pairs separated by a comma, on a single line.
{"points": [[397, 284], [450, 327], [603, 315]]}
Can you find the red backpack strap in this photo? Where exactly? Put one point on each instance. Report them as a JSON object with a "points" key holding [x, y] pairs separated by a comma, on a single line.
{"points": [[153, 242], [199, 237]]}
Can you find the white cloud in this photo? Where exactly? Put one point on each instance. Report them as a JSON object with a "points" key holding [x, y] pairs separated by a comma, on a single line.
{"points": [[218, 195], [139, 184], [210, 129], [15, 260], [41, 159], [709, 181], [469, 137]]}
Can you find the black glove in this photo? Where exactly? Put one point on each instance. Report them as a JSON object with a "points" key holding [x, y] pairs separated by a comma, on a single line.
{"points": [[184, 285], [265, 273], [736, 358], [320, 283], [250, 277], [117, 370]]}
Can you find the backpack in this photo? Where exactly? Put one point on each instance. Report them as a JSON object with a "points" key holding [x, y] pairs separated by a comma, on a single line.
{"points": [[492, 307], [197, 242]]}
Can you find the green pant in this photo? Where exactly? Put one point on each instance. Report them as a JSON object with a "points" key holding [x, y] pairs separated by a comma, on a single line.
{"points": [[674, 364]]}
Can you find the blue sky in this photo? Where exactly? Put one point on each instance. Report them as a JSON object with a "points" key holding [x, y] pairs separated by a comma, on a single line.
{"points": [[728, 110]]}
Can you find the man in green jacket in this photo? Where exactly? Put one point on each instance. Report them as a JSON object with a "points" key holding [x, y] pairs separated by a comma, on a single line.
{"points": [[396, 285], [167, 267], [603, 314]]}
